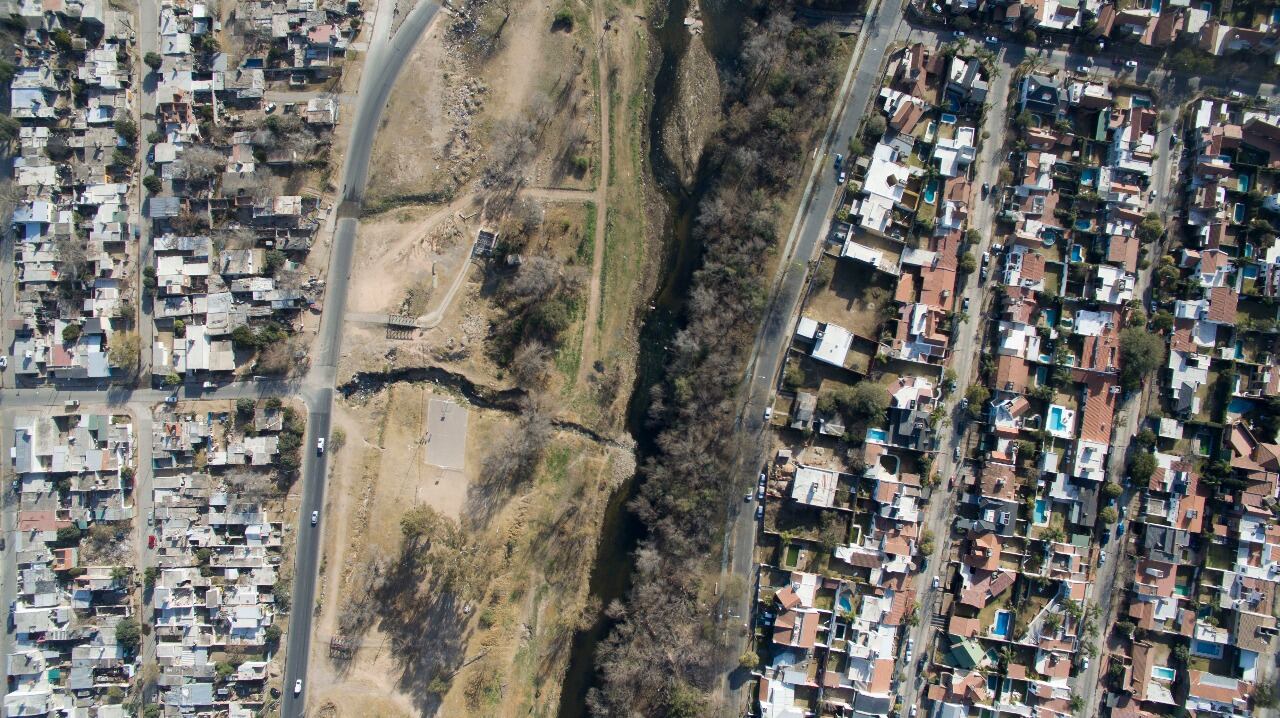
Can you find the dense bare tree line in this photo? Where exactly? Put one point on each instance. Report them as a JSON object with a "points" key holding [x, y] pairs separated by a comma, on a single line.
{"points": [[662, 657]]}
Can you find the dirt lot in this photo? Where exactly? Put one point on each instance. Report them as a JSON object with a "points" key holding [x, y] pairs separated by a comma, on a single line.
{"points": [[854, 299], [478, 619], [508, 619]]}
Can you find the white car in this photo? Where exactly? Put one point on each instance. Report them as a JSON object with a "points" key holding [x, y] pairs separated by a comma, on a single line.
{"points": [[1083, 69], [4, 362], [937, 582], [315, 517], [1102, 557], [1131, 64], [768, 413], [297, 687], [1084, 664], [320, 445]]}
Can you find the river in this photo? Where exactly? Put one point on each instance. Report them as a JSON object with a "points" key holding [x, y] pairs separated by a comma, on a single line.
{"points": [[621, 531]]}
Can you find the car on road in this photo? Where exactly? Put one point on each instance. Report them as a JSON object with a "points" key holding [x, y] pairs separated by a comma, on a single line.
{"points": [[956, 454], [759, 512], [986, 258], [297, 687], [839, 161], [4, 362], [760, 493], [768, 413], [1082, 69], [151, 541], [992, 40], [1155, 307], [315, 517], [1102, 557], [982, 274], [986, 189], [959, 34], [964, 306], [1084, 663], [915, 711], [937, 582], [1119, 529], [842, 177], [171, 399], [1236, 94], [1131, 64], [271, 107], [320, 445]]}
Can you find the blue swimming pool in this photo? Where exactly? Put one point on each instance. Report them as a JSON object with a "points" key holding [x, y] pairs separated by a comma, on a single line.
{"points": [[1088, 175], [1250, 271], [878, 436], [949, 119], [1003, 619], [1057, 418], [1164, 672], [845, 602], [931, 191], [1083, 225], [1077, 253], [1049, 236], [1155, 6], [1042, 511], [1245, 180], [1239, 212]]}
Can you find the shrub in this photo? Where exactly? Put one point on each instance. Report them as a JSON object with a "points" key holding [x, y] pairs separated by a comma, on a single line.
{"points": [[563, 20], [153, 184]]}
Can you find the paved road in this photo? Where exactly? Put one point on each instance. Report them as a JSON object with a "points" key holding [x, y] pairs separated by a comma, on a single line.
{"points": [[1129, 419], [966, 345], [382, 66], [770, 348]]}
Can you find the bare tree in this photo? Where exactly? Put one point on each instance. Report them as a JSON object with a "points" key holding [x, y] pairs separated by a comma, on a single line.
{"points": [[531, 364], [201, 164], [538, 276]]}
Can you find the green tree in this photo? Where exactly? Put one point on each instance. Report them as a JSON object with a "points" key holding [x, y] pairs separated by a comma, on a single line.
{"points": [[874, 128], [152, 60], [61, 39], [68, 534], [1111, 489], [149, 577], [128, 634], [793, 375], [71, 333], [968, 263], [1142, 467], [127, 129], [245, 407], [1108, 515], [275, 259], [1141, 353], [153, 184], [172, 379], [272, 634], [1162, 321], [977, 395], [1150, 229], [749, 660]]}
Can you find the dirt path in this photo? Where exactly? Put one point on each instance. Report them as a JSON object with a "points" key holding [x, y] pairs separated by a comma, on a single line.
{"points": [[553, 194], [601, 199]]}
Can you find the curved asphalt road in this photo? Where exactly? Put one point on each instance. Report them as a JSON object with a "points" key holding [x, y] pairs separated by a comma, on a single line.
{"points": [[382, 67]]}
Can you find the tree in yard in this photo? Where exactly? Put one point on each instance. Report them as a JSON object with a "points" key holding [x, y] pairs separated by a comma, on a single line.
{"points": [[274, 260], [1108, 515], [968, 263], [927, 543], [1052, 622], [152, 60], [1264, 694], [61, 39], [153, 184], [127, 129], [1024, 120], [1141, 353], [128, 634], [68, 534], [123, 353], [861, 402], [856, 147], [749, 660], [172, 379], [1142, 467], [1111, 489], [1162, 321], [71, 333], [272, 634], [1029, 37], [874, 128], [977, 395], [793, 375]]}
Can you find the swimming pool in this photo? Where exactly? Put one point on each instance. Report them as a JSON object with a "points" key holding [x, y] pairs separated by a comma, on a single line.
{"points": [[1049, 236], [1061, 421], [1244, 181], [1077, 253], [1239, 212], [1042, 511], [1155, 6], [845, 602], [1003, 619], [1164, 673], [1083, 225], [1087, 175], [931, 191], [878, 436], [949, 119]]}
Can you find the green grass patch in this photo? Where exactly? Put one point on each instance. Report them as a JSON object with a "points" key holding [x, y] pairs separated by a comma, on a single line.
{"points": [[586, 250], [556, 463], [569, 355]]}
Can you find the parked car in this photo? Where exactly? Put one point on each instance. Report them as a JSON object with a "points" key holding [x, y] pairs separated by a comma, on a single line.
{"points": [[1084, 663], [768, 413], [839, 161], [983, 274], [993, 40], [1119, 529], [986, 258], [956, 454], [1102, 557], [747, 499], [937, 582], [320, 445], [842, 178], [915, 710], [759, 512], [986, 189], [1131, 64], [151, 541], [964, 305], [1083, 69], [4, 362], [171, 399]]}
